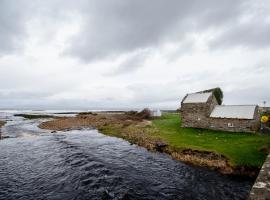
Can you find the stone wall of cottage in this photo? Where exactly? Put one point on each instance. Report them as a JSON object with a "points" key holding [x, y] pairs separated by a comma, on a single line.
{"points": [[197, 114], [234, 125]]}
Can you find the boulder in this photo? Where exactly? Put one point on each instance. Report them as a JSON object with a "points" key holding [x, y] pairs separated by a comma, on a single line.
{"points": [[144, 114], [159, 146]]}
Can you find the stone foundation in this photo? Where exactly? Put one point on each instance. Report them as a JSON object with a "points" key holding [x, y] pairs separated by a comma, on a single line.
{"points": [[196, 115], [261, 187], [234, 125]]}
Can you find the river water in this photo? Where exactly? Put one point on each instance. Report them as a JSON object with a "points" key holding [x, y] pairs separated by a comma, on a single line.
{"points": [[85, 164]]}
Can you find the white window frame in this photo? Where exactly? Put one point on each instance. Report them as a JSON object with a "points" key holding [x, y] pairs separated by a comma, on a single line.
{"points": [[230, 124]]}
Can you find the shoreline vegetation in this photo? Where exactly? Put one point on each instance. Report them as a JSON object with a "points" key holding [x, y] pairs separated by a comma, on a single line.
{"points": [[34, 116], [2, 123], [230, 153]]}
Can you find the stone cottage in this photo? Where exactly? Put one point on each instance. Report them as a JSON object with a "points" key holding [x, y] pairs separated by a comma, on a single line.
{"points": [[201, 110]]}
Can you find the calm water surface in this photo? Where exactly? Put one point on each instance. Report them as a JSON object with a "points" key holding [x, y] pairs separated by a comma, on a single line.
{"points": [[36, 164]]}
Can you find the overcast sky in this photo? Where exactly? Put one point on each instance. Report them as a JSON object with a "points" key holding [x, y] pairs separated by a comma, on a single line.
{"points": [[92, 54]]}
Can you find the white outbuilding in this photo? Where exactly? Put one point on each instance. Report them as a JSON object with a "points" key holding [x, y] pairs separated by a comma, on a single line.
{"points": [[155, 113]]}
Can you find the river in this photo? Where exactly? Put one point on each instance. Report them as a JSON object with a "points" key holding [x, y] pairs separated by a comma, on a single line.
{"points": [[85, 164]]}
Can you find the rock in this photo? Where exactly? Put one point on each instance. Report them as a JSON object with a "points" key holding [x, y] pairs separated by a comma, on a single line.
{"points": [[261, 187], [159, 146], [54, 132], [131, 112], [144, 114], [4, 136]]}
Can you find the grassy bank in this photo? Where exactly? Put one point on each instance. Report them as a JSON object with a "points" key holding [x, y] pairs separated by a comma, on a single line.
{"points": [[231, 153], [239, 148]]}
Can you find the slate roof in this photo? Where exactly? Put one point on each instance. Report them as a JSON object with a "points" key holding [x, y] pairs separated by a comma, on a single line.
{"points": [[234, 111], [197, 97]]}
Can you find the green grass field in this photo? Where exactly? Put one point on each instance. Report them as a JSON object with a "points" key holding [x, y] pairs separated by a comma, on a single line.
{"points": [[242, 149]]}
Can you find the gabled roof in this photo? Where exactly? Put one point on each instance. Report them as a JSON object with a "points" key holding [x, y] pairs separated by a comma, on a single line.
{"points": [[234, 111], [197, 97]]}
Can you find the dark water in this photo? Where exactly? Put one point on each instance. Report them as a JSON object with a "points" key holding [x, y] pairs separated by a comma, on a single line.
{"points": [[85, 164]]}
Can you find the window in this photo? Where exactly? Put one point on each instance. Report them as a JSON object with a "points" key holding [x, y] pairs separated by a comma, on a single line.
{"points": [[230, 125]]}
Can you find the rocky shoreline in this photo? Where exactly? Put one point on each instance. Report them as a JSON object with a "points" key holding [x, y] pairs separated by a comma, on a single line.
{"points": [[135, 130], [2, 123]]}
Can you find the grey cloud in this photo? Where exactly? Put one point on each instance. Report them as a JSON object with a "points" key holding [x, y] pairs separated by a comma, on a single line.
{"points": [[250, 29], [184, 47], [149, 94], [11, 99], [130, 64], [112, 28], [25, 99], [252, 34], [12, 30], [35, 100], [15, 15], [245, 96], [22, 94], [122, 26]]}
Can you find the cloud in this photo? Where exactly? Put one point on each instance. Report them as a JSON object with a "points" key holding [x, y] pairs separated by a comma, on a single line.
{"points": [[124, 53], [251, 29], [110, 29], [12, 29], [130, 63], [113, 28]]}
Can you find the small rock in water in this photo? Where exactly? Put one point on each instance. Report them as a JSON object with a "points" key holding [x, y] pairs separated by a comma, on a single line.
{"points": [[54, 132], [4, 137], [160, 146]]}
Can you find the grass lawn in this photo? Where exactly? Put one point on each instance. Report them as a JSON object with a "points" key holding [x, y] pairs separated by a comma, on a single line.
{"points": [[242, 149]]}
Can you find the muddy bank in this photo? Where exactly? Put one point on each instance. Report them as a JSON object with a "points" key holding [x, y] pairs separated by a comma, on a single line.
{"points": [[34, 116], [2, 123], [137, 130]]}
